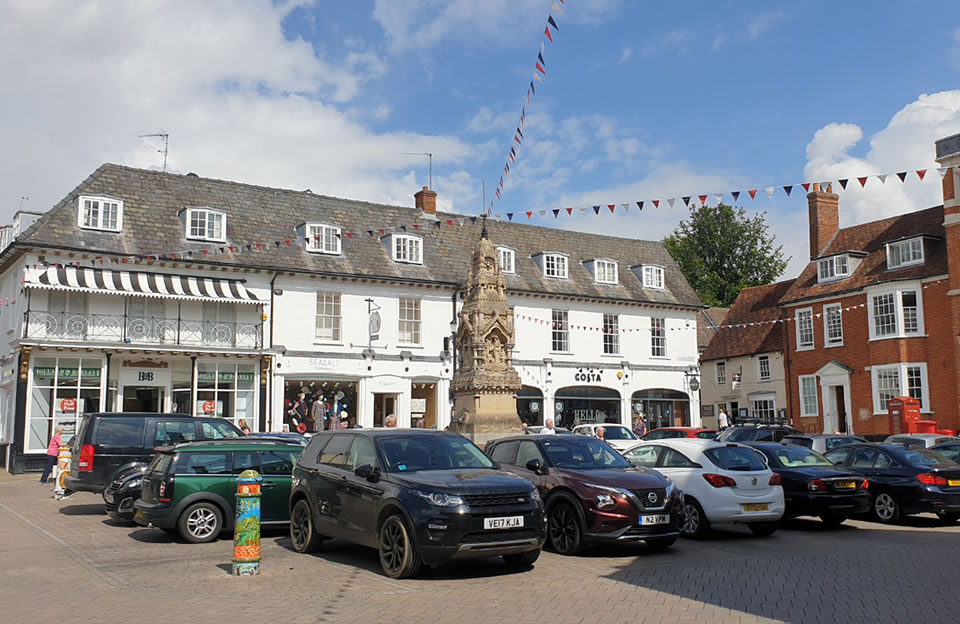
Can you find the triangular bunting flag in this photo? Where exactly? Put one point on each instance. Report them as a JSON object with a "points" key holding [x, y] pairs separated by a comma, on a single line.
{"points": [[902, 175], [719, 197], [735, 195], [943, 171], [787, 189], [882, 177], [556, 9], [753, 193], [540, 68], [921, 173], [543, 213], [686, 200], [556, 212], [703, 200], [540, 58], [843, 183], [671, 200], [569, 211], [551, 22], [640, 205], [449, 222], [862, 181], [656, 203], [536, 77], [770, 191], [806, 186], [546, 31], [349, 234], [596, 209], [626, 207], [612, 207], [510, 216]]}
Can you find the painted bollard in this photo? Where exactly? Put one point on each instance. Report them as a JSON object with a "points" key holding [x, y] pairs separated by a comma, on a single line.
{"points": [[60, 472], [246, 537]]}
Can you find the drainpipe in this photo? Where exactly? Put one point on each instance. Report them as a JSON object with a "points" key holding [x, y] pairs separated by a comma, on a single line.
{"points": [[788, 379], [273, 281]]}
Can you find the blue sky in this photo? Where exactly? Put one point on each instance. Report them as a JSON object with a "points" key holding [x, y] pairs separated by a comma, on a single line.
{"points": [[641, 100]]}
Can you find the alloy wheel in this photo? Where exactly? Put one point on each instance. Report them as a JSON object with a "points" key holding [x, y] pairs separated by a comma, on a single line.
{"points": [[393, 546], [563, 529], [885, 507], [691, 519], [300, 527], [201, 523]]}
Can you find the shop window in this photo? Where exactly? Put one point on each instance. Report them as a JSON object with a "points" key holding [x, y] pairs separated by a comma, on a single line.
{"points": [[61, 389], [227, 391], [423, 405], [580, 405], [326, 404], [530, 405]]}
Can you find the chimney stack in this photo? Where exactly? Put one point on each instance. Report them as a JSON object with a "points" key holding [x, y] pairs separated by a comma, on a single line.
{"points": [[824, 217], [426, 201]]}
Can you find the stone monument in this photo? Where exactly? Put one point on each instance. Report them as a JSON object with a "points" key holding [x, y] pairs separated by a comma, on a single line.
{"points": [[485, 383]]}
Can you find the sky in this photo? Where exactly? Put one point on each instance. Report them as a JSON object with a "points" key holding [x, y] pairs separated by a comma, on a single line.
{"points": [[640, 101]]}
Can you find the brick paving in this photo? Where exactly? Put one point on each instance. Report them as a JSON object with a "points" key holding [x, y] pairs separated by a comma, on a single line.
{"points": [[70, 552]]}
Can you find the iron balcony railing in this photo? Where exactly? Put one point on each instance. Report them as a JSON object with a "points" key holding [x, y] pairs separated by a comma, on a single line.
{"points": [[74, 327]]}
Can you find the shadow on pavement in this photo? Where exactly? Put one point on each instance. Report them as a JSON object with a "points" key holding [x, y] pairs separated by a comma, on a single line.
{"points": [[83, 510], [153, 536]]}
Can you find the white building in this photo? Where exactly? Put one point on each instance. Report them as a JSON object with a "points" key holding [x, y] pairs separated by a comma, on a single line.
{"points": [[146, 291]]}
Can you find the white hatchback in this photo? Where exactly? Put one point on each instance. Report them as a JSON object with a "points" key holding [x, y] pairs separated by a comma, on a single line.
{"points": [[617, 436], [722, 483]]}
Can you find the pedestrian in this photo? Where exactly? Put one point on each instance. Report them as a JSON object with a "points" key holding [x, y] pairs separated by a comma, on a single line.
{"points": [[548, 427], [523, 426], [722, 419], [53, 450], [242, 425], [641, 427], [600, 433]]}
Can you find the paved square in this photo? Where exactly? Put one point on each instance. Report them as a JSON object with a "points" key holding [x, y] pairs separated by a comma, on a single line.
{"points": [[70, 553]]}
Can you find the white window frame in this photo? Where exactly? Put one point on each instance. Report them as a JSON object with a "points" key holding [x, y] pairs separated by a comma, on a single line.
{"points": [[804, 395], [900, 319], [207, 214], [763, 398], [320, 236], [910, 247], [560, 331], [611, 334], [903, 388], [414, 326], [658, 337], [833, 268], [601, 266], [403, 247], [760, 360], [99, 221], [508, 259], [807, 315], [720, 374], [556, 265], [834, 341], [328, 310], [652, 276]]}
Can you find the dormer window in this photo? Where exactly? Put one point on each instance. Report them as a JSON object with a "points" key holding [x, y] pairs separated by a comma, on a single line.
{"points": [[653, 277], [905, 253], [408, 249], [605, 272], [100, 213], [206, 224], [507, 258], [323, 239], [833, 268], [555, 265]]}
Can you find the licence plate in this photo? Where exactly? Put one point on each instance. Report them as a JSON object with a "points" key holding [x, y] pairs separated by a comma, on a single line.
{"points": [[755, 506], [846, 485], [953, 482], [511, 522], [647, 520]]}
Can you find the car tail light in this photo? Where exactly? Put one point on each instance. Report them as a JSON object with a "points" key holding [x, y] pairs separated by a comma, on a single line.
{"points": [[929, 478], [775, 479], [165, 493], [719, 481], [866, 484], [817, 486], [86, 458]]}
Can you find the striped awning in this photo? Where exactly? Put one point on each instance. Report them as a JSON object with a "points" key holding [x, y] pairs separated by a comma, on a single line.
{"points": [[142, 284]]}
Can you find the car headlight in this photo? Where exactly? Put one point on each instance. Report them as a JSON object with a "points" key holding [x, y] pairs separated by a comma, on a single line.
{"points": [[440, 499], [605, 501], [138, 482], [612, 490], [535, 496]]}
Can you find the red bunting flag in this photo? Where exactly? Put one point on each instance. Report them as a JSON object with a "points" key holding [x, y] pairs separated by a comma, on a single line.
{"points": [[862, 181], [921, 173], [569, 211], [612, 207], [656, 203], [546, 31], [753, 193], [806, 186], [541, 69], [450, 222], [529, 214], [703, 200]]}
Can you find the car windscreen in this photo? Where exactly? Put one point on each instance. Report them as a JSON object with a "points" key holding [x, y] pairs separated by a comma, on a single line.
{"points": [[618, 433], [800, 441], [835, 442], [739, 435], [160, 463], [735, 458], [922, 457], [441, 452], [798, 457], [706, 435], [583, 454]]}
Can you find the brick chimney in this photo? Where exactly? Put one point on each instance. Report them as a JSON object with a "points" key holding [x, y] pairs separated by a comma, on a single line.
{"points": [[426, 201], [824, 217]]}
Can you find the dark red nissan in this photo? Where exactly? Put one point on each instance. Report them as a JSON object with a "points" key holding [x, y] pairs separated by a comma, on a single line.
{"points": [[591, 493]]}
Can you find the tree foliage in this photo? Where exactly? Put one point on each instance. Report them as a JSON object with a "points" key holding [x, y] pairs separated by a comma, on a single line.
{"points": [[721, 250]]}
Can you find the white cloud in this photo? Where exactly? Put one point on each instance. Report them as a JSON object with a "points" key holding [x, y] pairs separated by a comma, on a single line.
{"points": [[762, 23], [676, 40], [625, 54], [906, 144], [239, 100]]}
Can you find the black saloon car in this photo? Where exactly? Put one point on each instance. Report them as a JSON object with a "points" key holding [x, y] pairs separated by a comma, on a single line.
{"points": [[418, 496], [904, 480], [591, 493], [812, 486]]}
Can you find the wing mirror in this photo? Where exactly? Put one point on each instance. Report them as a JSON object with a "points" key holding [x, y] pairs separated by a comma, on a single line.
{"points": [[368, 472], [536, 467]]}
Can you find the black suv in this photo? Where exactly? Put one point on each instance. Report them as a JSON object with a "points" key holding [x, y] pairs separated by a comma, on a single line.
{"points": [[108, 443], [756, 432], [418, 496]]}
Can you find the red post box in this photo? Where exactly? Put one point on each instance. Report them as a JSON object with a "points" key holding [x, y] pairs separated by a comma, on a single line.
{"points": [[904, 412]]}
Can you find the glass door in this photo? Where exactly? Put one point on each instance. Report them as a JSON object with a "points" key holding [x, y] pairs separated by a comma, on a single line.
{"points": [[143, 399]]}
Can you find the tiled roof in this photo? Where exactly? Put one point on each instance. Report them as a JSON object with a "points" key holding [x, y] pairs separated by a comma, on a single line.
{"points": [[152, 201], [759, 303], [871, 238], [708, 321]]}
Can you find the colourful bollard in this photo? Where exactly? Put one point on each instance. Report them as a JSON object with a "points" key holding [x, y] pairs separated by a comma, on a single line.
{"points": [[246, 536], [60, 472]]}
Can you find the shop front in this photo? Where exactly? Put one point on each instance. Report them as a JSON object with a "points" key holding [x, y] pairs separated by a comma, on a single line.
{"points": [[580, 405], [319, 403], [59, 388], [530, 406], [661, 407]]}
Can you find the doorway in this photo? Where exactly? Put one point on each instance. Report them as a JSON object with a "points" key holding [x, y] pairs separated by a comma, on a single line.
{"points": [[142, 399], [841, 409], [384, 404], [734, 414]]}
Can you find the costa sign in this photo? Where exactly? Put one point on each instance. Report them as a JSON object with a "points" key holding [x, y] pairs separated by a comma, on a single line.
{"points": [[589, 376]]}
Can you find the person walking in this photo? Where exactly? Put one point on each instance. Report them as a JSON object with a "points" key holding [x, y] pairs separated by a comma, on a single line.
{"points": [[53, 450], [722, 420], [548, 427]]}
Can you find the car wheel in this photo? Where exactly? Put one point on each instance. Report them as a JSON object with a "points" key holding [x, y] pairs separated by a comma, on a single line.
{"points": [[563, 529], [695, 523], [948, 517], [763, 529], [200, 522], [661, 543], [398, 554], [303, 536], [523, 560], [833, 519], [885, 508]]}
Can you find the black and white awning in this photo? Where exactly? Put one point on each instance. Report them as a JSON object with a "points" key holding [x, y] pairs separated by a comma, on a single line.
{"points": [[142, 284]]}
